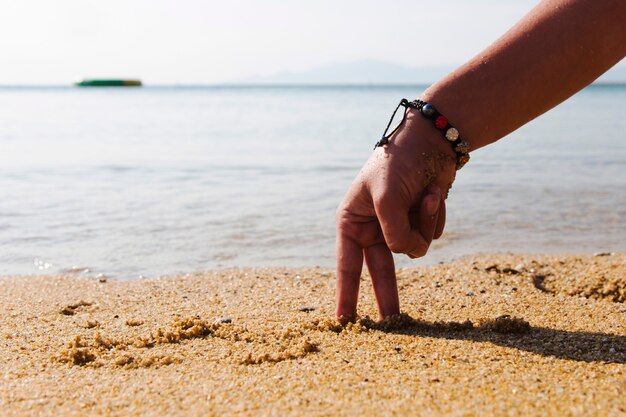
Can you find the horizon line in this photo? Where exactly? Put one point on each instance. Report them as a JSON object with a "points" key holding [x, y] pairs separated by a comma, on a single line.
{"points": [[264, 85]]}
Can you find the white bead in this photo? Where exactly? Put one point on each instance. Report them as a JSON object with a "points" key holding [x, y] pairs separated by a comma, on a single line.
{"points": [[452, 134]]}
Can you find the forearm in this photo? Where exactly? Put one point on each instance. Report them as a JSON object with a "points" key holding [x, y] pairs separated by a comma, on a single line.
{"points": [[556, 50]]}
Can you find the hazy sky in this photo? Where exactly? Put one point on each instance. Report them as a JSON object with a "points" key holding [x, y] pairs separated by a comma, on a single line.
{"points": [[193, 41]]}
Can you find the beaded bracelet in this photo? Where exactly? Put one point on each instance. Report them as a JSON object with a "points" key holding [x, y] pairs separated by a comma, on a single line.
{"points": [[459, 146]]}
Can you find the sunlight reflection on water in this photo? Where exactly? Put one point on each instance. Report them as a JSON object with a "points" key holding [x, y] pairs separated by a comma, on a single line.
{"points": [[158, 181]]}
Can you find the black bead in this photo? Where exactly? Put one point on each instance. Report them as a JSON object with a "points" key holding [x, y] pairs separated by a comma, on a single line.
{"points": [[428, 110]]}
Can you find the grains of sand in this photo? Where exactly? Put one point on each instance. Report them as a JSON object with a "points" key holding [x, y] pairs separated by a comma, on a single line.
{"points": [[540, 335]]}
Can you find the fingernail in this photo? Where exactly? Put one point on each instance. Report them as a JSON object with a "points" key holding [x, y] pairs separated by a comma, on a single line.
{"points": [[432, 204]]}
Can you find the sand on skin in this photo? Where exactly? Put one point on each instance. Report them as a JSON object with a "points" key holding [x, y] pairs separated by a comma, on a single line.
{"points": [[263, 342]]}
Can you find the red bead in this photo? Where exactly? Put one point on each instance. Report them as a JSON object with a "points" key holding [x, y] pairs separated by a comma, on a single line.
{"points": [[441, 122]]}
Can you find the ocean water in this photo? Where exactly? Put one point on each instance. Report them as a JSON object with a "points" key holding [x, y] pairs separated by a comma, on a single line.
{"points": [[156, 181]]}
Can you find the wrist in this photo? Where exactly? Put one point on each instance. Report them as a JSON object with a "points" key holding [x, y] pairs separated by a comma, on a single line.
{"points": [[421, 129], [449, 133], [418, 141]]}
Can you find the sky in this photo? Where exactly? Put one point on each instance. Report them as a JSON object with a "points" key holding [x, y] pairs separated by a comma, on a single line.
{"points": [[206, 42]]}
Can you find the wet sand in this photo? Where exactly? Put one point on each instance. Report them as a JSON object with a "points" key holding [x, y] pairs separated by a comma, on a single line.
{"points": [[486, 335]]}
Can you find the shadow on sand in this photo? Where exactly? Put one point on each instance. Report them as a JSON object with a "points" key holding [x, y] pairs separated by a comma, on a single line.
{"points": [[517, 334]]}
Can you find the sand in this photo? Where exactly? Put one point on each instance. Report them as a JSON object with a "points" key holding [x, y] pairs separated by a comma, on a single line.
{"points": [[486, 335]]}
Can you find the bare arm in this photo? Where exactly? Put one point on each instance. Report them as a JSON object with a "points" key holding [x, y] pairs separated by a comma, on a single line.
{"points": [[557, 49], [396, 203]]}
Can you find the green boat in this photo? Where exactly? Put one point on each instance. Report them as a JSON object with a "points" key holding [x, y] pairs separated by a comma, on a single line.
{"points": [[108, 83]]}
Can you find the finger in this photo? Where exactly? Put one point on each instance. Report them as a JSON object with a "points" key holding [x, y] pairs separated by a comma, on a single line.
{"points": [[428, 215], [396, 223], [380, 263], [425, 219], [441, 219], [349, 266], [396, 226]]}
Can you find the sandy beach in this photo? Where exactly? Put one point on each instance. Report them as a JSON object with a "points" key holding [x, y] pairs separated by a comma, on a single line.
{"points": [[484, 335]]}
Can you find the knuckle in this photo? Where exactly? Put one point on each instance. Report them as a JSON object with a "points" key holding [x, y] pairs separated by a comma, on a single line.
{"points": [[341, 217], [345, 224], [397, 245], [419, 250], [384, 196], [348, 272]]}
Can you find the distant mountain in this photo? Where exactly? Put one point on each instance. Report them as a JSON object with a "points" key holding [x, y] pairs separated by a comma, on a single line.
{"points": [[356, 72], [378, 72]]}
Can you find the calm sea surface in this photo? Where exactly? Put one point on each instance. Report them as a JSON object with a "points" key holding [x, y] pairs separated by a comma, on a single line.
{"points": [[156, 181]]}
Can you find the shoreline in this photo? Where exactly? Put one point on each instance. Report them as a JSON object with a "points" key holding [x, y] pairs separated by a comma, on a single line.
{"points": [[402, 262], [488, 334]]}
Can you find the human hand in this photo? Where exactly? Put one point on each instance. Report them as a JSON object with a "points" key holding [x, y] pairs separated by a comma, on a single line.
{"points": [[395, 204]]}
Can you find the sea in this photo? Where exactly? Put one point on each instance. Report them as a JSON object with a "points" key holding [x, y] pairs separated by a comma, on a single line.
{"points": [[154, 181]]}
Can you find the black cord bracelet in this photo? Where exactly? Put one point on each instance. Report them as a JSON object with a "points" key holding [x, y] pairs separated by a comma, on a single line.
{"points": [[459, 146]]}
